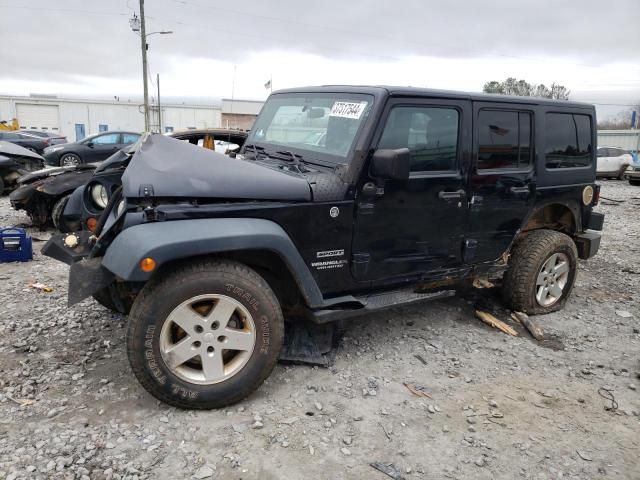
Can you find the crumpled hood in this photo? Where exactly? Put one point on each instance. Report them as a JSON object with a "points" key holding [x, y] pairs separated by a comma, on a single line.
{"points": [[166, 167], [10, 150], [52, 172]]}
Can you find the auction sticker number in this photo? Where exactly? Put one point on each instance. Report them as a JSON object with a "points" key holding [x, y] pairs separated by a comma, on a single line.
{"points": [[348, 109]]}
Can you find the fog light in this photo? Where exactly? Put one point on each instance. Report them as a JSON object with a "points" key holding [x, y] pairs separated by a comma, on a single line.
{"points": [[147, 264], [587, 195], [92, 223]]}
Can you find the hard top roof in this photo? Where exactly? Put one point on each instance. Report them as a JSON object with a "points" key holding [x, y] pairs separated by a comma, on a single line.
{"points": [[394, 91]]}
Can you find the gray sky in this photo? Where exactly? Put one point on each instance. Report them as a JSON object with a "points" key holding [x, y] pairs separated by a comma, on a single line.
{"points": [[85, 47]]}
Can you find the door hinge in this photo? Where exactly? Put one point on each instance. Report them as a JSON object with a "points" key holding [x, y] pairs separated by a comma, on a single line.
{"points": [[360, 264]]}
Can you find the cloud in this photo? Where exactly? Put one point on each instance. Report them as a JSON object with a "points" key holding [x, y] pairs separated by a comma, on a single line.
{"points": [[87, 46]]}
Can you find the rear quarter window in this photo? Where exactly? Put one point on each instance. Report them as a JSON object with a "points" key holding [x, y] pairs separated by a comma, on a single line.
{"points": [[568, 140]]}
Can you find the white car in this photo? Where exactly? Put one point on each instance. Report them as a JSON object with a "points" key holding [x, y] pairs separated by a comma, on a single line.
{"points": [[612, 162]]}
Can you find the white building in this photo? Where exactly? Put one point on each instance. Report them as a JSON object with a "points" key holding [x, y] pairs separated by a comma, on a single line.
{"points": [[76, 118], [625, 139]]}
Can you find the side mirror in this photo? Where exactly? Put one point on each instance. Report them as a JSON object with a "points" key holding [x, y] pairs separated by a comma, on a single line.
{"points": [[90, 144], [391, 164]]}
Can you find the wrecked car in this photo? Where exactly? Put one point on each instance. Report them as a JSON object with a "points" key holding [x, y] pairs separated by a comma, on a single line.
{"points": [[16, 161], [43, 194], [88, 202], [409, 192]]}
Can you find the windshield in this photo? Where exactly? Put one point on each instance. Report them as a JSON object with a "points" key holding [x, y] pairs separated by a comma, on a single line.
{"points": [[322, 125]]}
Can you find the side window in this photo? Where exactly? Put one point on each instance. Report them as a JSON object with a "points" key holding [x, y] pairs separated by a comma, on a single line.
{"points": [[129, 138], [110, 139], [568, 139], [504, 139], [430, 133], [603, 152]]}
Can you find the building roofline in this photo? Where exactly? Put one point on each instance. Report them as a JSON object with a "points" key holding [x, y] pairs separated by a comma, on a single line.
{"points": [[54, 100]]}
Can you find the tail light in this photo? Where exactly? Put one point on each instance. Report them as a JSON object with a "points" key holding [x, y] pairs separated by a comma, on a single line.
{"points": [[47, 141], [596, 195]]}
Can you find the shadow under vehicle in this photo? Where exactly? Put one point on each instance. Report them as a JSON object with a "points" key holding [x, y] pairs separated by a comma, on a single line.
{"points": [[16, 161], [411, 194]]}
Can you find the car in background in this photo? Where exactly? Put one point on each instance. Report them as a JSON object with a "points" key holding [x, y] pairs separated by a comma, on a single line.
{"points": [[16, 161], [612, 162], [54, 138], [94, 148], [26, 140]]}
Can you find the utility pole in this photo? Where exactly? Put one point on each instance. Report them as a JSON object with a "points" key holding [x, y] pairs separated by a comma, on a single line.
{"points": [[159, 105], [138, 26], [143, 44]]}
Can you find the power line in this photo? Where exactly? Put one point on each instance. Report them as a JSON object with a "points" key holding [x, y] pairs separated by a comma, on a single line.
{"points": [[65, 10]]}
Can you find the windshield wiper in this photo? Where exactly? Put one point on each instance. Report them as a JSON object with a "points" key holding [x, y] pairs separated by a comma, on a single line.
{"points": [[257, 150], [293, 157]]}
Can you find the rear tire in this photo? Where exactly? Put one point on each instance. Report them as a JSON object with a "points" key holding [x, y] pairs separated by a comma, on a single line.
{"points": [[542, 271], [56, 214], [1, 186], [634, 182], [181, 323]]}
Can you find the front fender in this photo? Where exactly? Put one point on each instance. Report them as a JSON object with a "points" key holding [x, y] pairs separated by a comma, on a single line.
{"points": [[167, 241]]}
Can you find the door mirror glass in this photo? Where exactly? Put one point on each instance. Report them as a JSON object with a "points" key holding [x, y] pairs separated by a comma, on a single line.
{"points": [[391, 164], [90, 144]]}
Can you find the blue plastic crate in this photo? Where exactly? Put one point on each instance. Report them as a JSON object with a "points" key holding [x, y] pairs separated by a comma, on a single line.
{"points": [[15, 245]]}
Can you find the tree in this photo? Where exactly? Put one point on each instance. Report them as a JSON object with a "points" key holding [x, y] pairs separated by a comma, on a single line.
{"points": [[522, 88], [621, 120]]}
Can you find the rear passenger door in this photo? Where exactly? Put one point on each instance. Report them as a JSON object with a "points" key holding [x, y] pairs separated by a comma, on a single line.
{"points": [[502, 179]]}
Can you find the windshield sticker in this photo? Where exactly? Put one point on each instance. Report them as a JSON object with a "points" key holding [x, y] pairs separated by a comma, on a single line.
{"points": [[348, 109]]}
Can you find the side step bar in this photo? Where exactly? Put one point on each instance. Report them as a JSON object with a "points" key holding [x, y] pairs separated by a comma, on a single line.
{"points": [[374, 303]]}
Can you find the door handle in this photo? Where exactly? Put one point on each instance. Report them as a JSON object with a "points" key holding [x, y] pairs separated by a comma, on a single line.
{"points": [[446, 195], [519, 190]]}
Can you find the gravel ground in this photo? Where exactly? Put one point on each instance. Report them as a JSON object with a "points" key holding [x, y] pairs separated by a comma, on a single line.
{"points": [[500, 407]]}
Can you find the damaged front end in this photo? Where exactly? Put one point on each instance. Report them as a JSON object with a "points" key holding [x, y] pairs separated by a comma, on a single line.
{"points": [[39, 191]]}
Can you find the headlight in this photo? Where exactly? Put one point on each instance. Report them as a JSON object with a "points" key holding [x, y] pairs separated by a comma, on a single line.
{"points": [[53, 149], [99, 196], [120, 208]]}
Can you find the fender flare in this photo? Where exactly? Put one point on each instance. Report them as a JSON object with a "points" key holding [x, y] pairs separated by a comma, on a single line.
{"points": [[167, 241]]}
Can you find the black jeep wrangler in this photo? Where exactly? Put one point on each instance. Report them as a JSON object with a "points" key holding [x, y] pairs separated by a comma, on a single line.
{"points": [[343, 200]]}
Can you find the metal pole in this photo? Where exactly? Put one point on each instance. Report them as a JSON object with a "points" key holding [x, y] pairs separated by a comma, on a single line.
{"points": [[143, 43], [159, 106]]}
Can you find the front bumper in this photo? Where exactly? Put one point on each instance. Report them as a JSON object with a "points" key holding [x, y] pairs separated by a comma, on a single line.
{"points": [[87, 275], [52, 158], [632, 172]]}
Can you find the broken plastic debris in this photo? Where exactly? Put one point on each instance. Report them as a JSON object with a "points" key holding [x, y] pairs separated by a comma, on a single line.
{"points": [[40, 286]]}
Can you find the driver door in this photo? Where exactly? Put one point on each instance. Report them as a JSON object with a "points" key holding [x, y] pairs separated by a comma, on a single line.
{"points": [[103, 146], [415, 227]]}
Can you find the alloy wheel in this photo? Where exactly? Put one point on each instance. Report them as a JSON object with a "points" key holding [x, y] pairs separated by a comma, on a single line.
{"points": [[552, 279], [207, 339]]}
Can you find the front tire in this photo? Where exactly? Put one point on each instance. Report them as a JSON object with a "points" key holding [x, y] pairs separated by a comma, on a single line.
{"points": [[56, 214], [205, 335], [542, 270], [70, 160], [634, 182]]}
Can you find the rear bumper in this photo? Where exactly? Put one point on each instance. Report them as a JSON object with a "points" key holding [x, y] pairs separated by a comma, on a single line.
{"points": [[587, 244]]}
